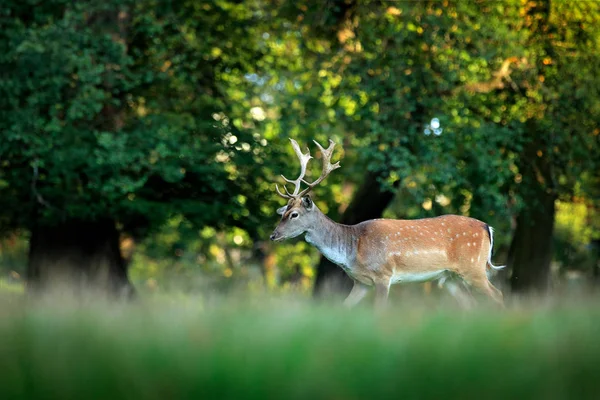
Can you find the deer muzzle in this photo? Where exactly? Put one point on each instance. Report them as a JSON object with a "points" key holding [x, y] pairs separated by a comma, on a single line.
{"points": [[275, 236]]}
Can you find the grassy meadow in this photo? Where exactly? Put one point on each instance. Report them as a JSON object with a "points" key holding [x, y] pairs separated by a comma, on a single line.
{"points": [[284, 348]]}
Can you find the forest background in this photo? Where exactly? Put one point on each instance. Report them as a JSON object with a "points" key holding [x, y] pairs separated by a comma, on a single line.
{"points": [[146, 137]]}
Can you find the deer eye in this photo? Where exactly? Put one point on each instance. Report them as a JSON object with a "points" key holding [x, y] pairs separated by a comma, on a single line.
{"points": [[294, 215]]}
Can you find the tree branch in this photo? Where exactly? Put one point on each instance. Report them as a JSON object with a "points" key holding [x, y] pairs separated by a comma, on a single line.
{"points": [[496, 83], [34, 190]]}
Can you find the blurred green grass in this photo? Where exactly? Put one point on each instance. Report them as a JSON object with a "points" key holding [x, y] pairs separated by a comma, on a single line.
{"points": [[278, 348]]}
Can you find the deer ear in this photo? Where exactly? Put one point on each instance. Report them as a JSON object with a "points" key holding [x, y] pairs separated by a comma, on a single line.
{"points": [[281, 210], [307, 202]]}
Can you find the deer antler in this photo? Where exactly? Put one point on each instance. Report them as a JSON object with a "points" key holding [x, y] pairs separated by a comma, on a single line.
{"points": [[304, 158], [327, 166]]}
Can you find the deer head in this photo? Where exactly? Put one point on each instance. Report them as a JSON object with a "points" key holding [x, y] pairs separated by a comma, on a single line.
{"points": [[299, 214]]}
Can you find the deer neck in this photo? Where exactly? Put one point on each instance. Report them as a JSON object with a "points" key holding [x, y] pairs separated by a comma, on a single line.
{"points": [[335, 241]]}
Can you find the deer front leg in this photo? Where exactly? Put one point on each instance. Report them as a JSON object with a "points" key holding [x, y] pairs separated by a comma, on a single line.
{"points": [[356, 294], [382, 291]]}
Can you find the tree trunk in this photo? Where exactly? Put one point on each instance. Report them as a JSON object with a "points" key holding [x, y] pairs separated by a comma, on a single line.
{"points": [[530, 252], [368, 203], [79, 257], [595, 245]]}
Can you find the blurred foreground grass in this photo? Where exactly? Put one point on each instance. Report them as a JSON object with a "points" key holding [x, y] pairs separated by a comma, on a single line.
{"points": [[284, 349]]}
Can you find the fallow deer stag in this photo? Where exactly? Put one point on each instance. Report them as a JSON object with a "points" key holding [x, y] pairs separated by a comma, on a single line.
{"points": [[452, 249]]}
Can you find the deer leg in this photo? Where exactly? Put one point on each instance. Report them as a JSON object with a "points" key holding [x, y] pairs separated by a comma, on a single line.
{"points": [[483, 285], [356, 294], [464, 298], [495, 294], [382, 290]]}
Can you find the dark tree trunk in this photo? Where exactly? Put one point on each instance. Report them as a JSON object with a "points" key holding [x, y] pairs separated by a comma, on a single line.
{"points": [[77, 256], [368, 203], [595, 244], [530, 251]]}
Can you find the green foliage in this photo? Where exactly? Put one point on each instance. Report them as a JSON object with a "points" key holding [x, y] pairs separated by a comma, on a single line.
{"points": [[393, 70], [573, 235], [178, 258], [503, 91], [122, 109], [13, 254], [173, 118], [483, 72]]}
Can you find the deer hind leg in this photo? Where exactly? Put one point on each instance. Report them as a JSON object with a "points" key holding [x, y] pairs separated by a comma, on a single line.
{"points": [[495, 294], [463, 297], [356, 294], [482, 284]]}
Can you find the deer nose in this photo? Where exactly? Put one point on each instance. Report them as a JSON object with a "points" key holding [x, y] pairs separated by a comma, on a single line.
{"points": [[272, 237]]}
